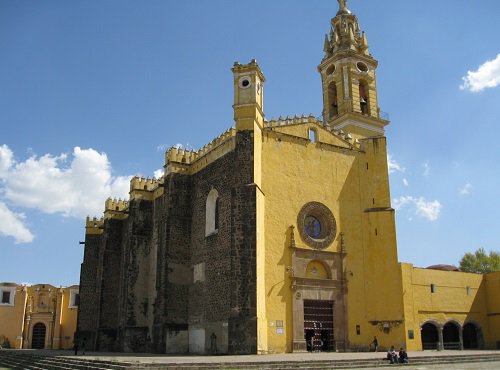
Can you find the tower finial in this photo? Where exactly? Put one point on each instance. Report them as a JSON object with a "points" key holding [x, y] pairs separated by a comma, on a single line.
{"points": [[343, 7]]}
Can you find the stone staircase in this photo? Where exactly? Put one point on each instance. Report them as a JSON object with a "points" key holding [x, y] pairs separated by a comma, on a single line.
{"points": [[18, 359]]}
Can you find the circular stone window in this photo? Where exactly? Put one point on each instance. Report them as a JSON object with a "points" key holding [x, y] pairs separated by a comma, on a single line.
{"points": [[330, 70], [362, 67], [244, 82], [316, 224]]}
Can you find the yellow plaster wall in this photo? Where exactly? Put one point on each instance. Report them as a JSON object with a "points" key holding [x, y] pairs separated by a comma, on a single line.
{"points": [[67, 319], [296, 171], [59, 318], [449, 302], [492, 286], [12, 317]]}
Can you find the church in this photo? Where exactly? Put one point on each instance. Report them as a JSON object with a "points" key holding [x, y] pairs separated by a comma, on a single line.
{"points": [[237, 249]]}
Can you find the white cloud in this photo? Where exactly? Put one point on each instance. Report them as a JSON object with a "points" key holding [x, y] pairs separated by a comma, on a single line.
{"points": [[5, 160], [427, 168], [405, 182], [76, 185], [466, 189], [428, 210], [13, 225], [425, 209], [393, 165], [486, 76], [158, 173]]}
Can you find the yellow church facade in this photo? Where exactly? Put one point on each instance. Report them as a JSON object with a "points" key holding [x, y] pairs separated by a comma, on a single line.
{"points": [[38, 316], [278, 236]]}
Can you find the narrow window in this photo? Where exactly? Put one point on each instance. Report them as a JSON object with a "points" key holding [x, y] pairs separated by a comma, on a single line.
{"points": [[469, 290], [76, 301], [217, 214], [212, 213], [312, 135], [433, 288]]}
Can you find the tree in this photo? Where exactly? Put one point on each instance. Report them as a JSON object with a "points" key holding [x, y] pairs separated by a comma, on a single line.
{"points": [[480, 262]]}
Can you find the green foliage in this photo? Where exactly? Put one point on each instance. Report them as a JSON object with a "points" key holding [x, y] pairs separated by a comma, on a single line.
{"points": [[480, 262]]}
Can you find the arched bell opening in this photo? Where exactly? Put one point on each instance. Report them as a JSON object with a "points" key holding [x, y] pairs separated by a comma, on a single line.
{"points": [[332, 100], [364, 104]]}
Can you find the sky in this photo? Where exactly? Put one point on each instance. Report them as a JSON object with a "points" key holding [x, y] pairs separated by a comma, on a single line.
{"points": [[93, 92]]}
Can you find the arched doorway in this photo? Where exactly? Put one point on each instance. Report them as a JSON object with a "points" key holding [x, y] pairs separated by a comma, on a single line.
{"points": [[318, 325], [430, 337], [451, 337], [38, 337], [470, 336]]}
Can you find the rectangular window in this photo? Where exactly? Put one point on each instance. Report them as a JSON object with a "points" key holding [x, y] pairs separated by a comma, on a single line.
{"points": [[312, 135], [411, 334], [6, 297], [469, 290], [74, 298], [433, 288]]}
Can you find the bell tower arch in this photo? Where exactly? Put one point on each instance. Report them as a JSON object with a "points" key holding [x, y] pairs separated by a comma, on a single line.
{"points": [[348, 75]]}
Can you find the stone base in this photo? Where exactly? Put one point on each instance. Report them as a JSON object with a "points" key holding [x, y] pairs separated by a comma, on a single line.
{"points": [[299, 345]]}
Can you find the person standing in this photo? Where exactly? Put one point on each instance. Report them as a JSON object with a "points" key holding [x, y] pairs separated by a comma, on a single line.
{"points": [[375, 344]]}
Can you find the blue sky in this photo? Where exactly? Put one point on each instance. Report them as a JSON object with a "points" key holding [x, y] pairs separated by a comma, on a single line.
{"points": [[93, 92]]}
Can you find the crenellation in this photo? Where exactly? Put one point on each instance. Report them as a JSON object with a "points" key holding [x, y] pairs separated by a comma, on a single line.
{"points": [[94, 225], [115, 208], [181, 160]]}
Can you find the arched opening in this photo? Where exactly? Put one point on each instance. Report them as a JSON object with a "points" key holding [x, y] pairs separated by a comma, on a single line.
{"points": [[316, 270], [212, 213], [470, 336], [38, 337], [430, 337], [318, 325], [451, 338], [363, 97], [332, 100]]}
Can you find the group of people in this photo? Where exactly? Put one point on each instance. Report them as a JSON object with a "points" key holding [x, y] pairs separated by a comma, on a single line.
{"points": [[397, 358], [393, 356]]}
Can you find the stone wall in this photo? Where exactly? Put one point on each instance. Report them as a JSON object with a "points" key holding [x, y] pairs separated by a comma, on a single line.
{"points": [[160, 284]]}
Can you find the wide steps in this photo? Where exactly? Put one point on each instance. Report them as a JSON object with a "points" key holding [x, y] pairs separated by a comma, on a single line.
{"points": [[13, 359]]}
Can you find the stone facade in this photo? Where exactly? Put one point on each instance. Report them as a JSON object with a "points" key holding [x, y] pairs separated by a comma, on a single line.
{"points": [[155, 282]]}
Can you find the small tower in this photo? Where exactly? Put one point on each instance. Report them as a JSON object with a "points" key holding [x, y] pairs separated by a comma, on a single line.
{"points": [[349, 79], [248, 95]]}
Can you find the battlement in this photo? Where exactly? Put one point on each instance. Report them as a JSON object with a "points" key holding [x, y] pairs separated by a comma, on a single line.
{"points": [[145, 188], [180, 160], [94, 225], [295, 120], [142, 183], [311, 120], [115, 208]]}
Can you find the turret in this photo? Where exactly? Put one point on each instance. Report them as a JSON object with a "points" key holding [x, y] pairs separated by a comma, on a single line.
{"points": [[248, 95], [348, 78]]}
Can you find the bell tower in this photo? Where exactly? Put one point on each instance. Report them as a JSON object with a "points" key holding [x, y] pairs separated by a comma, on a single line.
{"points": [[348, 75]]}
